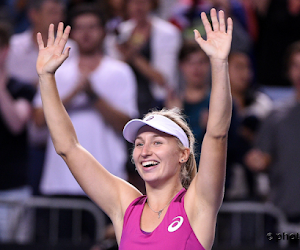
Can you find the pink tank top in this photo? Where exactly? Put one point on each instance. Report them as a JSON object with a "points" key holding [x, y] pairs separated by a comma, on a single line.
{"points": [[174, 232]]}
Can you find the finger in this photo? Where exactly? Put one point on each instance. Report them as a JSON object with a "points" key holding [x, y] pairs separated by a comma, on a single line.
{"points": [[60, 30], [222, 21], [214, 19], [66, 53], [198, 37], [40, 41], [206, 23], [50, 35], [64, 39], [229, 26]]}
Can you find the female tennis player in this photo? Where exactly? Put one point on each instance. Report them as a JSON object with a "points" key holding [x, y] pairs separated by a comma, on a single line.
{"points": [[180, 207]]}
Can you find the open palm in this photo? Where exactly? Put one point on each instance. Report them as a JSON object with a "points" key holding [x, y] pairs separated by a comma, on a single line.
{"points": [[218, 42], [51, 57]]}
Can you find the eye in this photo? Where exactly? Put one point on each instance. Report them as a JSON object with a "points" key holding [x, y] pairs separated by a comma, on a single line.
{"points": [[138, 144], [157, 142]]}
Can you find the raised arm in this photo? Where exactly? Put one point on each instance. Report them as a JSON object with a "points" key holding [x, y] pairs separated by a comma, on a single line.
{"points": [[205, 193], [112, 194]]}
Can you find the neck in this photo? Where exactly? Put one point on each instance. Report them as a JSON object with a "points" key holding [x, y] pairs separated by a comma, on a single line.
{"points": [[159, 198], [239, 98], [195, 93], [89, 62], [96, 53], [142, 22]]}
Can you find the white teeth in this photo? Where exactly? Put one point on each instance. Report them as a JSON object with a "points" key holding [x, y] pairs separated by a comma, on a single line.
{"points": [[149, 163]]}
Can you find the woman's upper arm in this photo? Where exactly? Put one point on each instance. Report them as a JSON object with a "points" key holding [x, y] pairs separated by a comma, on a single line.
{"points": [[205, 194], [207, 188], [112, 194]]}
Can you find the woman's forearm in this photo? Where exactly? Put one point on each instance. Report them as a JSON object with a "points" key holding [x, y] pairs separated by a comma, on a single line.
{"points": [[58, 121], [220, 107]]}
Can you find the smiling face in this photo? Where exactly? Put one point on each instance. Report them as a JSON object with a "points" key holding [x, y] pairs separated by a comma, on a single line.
{"points": [[157, 156]]}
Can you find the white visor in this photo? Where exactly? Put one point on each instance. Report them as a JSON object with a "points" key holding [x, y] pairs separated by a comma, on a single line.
{"points": [[158, 122]]}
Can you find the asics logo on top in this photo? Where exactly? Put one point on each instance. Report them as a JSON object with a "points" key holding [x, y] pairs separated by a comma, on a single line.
{"points": [[175, 224], [149, 118]]}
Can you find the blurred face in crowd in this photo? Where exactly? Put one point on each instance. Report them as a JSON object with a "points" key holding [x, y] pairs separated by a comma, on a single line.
{"points": [[116, 4], [239, 72], [50, 12], [294, 71], [138, 9], [195, 68], [88, 32]]}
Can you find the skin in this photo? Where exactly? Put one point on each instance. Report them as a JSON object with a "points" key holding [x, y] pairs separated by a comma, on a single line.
{"points": [[205, 194], [153, 145], [256, 159], [89, 33]]}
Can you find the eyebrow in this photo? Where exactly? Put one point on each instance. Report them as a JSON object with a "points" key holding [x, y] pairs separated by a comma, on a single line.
{"points": [[154, 136]]}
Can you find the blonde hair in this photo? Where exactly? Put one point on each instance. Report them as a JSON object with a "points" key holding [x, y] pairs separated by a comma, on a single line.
{"points": [[189, 168]]}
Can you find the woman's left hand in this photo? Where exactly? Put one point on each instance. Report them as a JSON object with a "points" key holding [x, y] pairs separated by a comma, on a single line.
{"points": [[218, 42]]}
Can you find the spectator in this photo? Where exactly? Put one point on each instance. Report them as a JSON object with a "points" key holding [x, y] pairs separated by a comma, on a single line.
{"points": [[99, 94], [195, 69], [115, 15], [165, 8], [22, 56], [15, 12], [252, 107], [194, 100], [15, 111], [277, 145], [23, 48], [150, 45], [278, 20]]}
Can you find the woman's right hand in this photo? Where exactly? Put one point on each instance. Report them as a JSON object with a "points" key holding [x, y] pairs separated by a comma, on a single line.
{"points": [[52, 56]]}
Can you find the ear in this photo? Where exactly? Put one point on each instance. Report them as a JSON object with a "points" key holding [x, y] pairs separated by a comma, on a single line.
{"points": [[184, 156]]}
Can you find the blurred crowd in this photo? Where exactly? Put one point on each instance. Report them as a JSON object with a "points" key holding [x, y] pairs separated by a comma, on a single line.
{"points": [[130, 56]]}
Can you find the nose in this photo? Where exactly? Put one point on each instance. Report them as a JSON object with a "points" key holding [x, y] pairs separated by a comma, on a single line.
{"points": [[146, 150]]}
